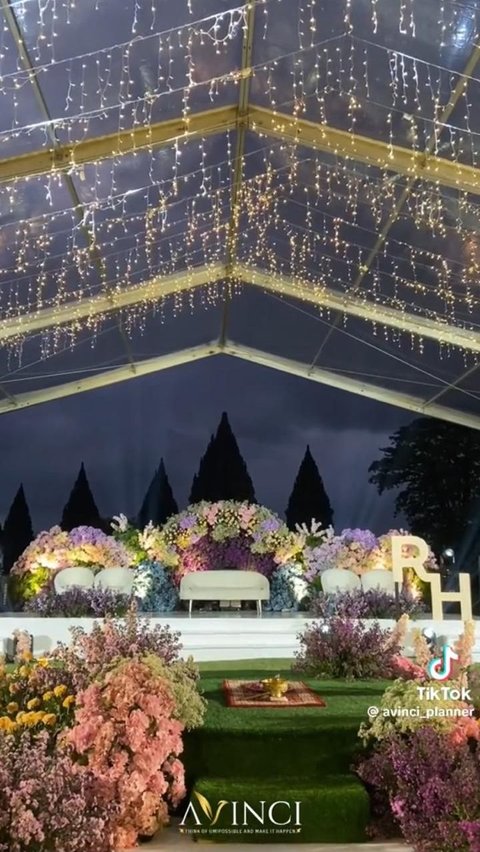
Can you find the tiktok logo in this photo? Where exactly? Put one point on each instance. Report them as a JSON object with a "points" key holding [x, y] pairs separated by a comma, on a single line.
{"points": [[440, 668]]}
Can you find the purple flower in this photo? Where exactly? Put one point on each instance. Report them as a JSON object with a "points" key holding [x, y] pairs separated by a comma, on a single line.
{"points": [[359, 604], [430, 786], [75, 603], [366, 538], [187, 522], [270, 525], [341, 647]]}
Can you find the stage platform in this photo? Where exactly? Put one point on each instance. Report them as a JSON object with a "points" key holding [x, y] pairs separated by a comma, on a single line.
{"points": [[219, 636]]}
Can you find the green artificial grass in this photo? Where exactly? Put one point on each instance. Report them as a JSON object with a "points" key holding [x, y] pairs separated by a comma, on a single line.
{"points": [[289, 742], [334, 810], [302, 754]]}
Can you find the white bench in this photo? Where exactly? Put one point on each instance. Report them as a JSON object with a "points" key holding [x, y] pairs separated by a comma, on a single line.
{"points": [[224, 585]]}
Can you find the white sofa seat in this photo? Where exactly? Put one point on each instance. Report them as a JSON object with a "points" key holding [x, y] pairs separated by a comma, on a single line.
{"points": [[378, 579], [224, 585], [339, 580], [118, 580], [73, 578]]}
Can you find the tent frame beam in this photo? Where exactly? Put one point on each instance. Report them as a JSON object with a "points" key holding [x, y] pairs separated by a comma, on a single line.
{"points": [[244, 353], [416, 165], [154, 289]]}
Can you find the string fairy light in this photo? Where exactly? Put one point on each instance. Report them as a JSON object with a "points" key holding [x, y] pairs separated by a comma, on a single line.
{"points": [[154, 211]]}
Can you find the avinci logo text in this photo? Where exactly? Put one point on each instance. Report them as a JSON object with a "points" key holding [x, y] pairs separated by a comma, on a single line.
{"points": [[242, 815]]}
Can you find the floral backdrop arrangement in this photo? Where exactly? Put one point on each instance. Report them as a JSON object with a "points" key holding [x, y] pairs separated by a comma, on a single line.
{"points": [[225, 534], [91, 738], [422, 769], [210, 536], [55, 549], [355, 550]]}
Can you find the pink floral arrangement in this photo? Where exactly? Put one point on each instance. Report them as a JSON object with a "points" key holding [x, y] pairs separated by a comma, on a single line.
{"points": [[89, 655], [125, 730], [49, 802], [407, 669], [23, 643]]}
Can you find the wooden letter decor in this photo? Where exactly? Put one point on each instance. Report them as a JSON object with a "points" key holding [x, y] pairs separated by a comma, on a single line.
{"points": [[400, 561]]}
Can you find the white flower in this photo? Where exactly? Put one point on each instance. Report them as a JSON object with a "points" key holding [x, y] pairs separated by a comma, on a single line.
{"points": [[119, 522]]}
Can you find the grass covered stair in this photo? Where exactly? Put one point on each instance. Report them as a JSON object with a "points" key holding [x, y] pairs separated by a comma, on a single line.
{"points": [[301, 754]]}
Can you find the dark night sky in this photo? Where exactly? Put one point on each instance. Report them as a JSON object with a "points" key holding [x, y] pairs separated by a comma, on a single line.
{"points": [[122, 431]]}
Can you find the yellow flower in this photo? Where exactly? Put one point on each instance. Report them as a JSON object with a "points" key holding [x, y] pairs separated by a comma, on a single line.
{"points": [[23, 671], [28, 719], [68, 701], [43, 662], [13, 688], [39, 716], [27, 656], [49, 719], [60, 690], [33, 704], [19, 716], [7, 724], [12, 707], [47, 696], [183, 541]]}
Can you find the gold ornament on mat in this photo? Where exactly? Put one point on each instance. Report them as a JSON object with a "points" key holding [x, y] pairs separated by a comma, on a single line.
{"points": [[276, 688]]}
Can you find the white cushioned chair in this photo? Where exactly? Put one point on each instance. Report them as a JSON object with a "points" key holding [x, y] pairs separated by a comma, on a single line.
{"points": [[339, 580], [73, 578], [381, 579], [118, 580], [224, 585]]}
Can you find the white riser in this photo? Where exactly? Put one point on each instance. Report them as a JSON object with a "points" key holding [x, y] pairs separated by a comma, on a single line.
{"points": [[221, 637]]}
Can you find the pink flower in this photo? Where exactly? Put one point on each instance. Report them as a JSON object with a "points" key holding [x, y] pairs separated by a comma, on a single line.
{"points": [[126, 731], [407, 669], [465, 728]]}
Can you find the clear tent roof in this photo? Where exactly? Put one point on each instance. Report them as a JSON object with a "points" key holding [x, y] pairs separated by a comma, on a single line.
{"points": [[291, 182]]}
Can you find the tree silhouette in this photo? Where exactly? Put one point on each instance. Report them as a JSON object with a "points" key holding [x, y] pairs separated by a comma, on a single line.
{"points": [[308, 499], [159, 502], [17, 530], [222, 474], [436, 467], [80, 508]]}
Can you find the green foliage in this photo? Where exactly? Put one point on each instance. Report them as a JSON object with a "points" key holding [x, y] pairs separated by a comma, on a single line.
{"points": [[29, 585], [436, 466], [404, 695], [183, 677], [130, 538]]}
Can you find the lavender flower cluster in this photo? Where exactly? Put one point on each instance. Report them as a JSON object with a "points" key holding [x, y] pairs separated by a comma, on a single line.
{"points": [[346, 648], [373, 603], [430, 787], [77, 603]]}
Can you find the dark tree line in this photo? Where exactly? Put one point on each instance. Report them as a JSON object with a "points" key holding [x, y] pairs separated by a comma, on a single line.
{"points": [[222, 475], [433, 466]]}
